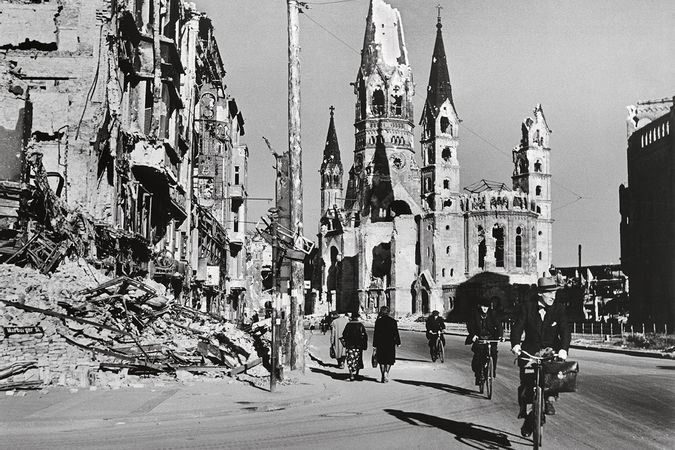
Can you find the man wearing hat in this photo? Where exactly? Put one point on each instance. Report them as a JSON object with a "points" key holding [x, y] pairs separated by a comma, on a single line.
{"points": [[544, 322], [483, 324]]}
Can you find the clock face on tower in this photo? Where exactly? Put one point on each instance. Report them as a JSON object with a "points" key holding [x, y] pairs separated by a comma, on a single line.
{"points": [[398, 160]]}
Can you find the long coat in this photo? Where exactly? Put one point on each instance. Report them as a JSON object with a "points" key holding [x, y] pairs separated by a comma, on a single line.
{"points": [[336, 328], [552, 332], [385, 339]]}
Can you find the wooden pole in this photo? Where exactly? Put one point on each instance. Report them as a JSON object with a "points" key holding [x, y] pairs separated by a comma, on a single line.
{"points": [[296, 329]]}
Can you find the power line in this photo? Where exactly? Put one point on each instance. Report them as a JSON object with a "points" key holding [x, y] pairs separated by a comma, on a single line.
{"points": [[332, 34], [329, 2]]}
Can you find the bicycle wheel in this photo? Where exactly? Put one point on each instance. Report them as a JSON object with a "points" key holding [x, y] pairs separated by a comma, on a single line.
{"points": [[538, 412], [441, 351], [488, 379]]}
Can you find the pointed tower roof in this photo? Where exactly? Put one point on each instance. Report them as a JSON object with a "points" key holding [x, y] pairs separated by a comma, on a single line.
{"points": [[331, 153], [439, 88], [383, 43]]}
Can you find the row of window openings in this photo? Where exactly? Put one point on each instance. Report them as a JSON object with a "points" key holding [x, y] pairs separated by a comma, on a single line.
{"points": [[655, 134], [498, 234], [378, 104]]}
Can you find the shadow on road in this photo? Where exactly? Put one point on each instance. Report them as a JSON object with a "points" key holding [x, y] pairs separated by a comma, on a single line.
{"points": [[443, 387], [666, 367], [340, 375], [476, 436], [414, 360], [320, 362]]}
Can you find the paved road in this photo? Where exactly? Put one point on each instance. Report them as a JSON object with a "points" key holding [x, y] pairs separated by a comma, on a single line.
{"points": [[624, 403]]}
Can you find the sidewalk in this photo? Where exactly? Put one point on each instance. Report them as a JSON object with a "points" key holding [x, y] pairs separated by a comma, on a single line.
{"points": [[457, 329], [155, 400]]}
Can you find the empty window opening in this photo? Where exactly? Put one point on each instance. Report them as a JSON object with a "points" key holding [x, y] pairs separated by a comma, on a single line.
{"points": [[447, 203], [538, 210], [537, 190], [519, 251], [482, 248], [446, 184], [452, 272], [443, 273], [236, 175], [235, 225], [539, 256], [447, 250], [537, 166], [446, 154], [397, 106], [378, 102], [445, 123], [498, 235]]}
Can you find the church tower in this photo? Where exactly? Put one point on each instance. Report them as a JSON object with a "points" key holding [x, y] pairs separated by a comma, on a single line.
{"points": [[384, 164], [442, 243], [331, 171], [532, 175], [440, 131]]}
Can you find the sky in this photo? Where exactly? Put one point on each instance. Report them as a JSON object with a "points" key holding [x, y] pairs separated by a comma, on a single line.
{"points": [[583, 60]]}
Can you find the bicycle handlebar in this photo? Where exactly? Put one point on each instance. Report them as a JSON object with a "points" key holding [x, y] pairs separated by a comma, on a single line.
{"points": [[536, 359], [488, 341]]}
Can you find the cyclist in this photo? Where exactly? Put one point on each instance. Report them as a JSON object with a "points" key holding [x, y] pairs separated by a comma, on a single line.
{"points": [[544, 322], [483, 324], [435, 325]]}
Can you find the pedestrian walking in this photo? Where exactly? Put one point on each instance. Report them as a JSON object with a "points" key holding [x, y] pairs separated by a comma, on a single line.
{"points": [[355, 341], [337, 326], [385, 341]]}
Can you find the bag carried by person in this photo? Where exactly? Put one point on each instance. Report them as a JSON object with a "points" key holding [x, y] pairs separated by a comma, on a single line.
{"points": [[332, 352], [373, 358], [560, 376]]}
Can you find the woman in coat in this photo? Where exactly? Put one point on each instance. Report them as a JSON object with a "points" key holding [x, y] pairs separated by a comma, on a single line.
{"points": [[355, 341], [385, 340], [336, 328]]}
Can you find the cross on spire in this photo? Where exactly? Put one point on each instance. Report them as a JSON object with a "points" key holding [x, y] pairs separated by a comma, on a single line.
{"points": [[332, 109], [439, 7]]}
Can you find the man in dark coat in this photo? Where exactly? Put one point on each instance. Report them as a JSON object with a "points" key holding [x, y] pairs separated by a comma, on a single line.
{"points": [[385, 340], [434, 325], [544, 322], [483, 324]]}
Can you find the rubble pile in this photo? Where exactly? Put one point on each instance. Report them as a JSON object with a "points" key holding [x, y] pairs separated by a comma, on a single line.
{"points": [[79, 328]]}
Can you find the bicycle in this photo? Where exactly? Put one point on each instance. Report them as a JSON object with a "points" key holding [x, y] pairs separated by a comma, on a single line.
{"points": [[538, 394], [438, 348], [488, 372]]}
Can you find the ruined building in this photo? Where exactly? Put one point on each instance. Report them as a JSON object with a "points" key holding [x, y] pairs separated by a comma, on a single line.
{"points": [[407, 235], [647, 206], [122, 103]]}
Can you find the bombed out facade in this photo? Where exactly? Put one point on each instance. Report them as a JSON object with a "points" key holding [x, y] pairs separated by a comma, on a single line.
{"points": [[407, 235], [116, 111]]}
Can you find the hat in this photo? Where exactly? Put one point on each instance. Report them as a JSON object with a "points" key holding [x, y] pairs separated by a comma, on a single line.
{"points": [[356, 315], [546, 284], [484, 301]]}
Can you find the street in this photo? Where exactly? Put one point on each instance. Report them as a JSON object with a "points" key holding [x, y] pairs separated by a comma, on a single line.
{"points": [[623, 402]]}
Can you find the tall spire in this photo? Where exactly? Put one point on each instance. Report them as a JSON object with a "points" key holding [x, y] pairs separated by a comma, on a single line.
{"points": [[439, 88], [331, 153]]}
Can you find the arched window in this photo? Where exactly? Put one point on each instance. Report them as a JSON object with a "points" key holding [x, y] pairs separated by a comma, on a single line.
{"points": [[443, 273], [482, 247], [519, 248], [397, 105], [539, 256], [537, 190], [498, 235], [378, 102], [537, 166], [444, 124], [446, 184], [446, 154], [447, 250]]}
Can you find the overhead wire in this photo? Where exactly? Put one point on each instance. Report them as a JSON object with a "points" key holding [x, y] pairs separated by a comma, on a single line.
{"points": [[479, 136]]}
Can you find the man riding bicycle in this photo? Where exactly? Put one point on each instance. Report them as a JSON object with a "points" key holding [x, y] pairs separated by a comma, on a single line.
{"points": [[435, 325], [544, 322], [483, 325]]}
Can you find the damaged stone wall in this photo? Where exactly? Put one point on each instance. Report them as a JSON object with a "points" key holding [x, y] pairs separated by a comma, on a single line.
{"points": [[58, 50]]}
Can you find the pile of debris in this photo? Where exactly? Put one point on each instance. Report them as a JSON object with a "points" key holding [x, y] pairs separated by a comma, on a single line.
{"points": [[79, 328]]}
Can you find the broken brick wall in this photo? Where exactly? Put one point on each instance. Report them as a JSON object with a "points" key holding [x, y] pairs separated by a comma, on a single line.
{"points": [[60, 51]]}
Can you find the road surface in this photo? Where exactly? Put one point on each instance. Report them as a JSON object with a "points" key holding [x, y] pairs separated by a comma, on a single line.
{"points": [[624, 402]]}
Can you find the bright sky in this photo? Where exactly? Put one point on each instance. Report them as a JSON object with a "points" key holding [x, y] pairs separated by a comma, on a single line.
{"points": [[583, 60]]}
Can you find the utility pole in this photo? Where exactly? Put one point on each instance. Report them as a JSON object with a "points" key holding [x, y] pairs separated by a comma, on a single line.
{"points": [[297, 278]]}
